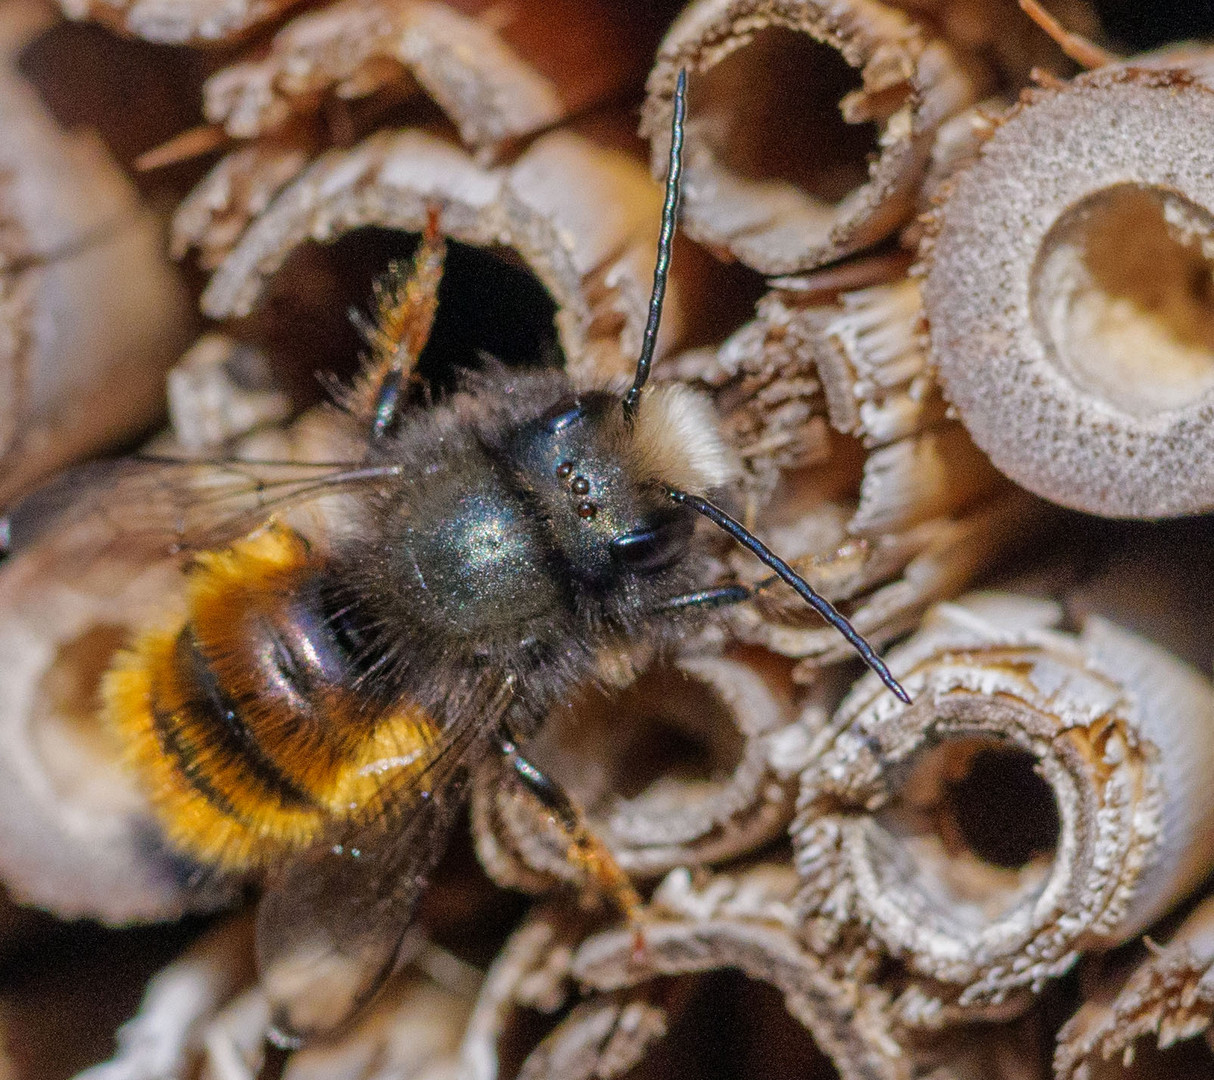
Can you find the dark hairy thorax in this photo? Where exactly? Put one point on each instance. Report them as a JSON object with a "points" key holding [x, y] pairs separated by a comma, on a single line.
{"points": [[510, 540]]}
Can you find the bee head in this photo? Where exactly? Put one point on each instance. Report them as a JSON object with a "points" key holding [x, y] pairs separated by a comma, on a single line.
{"points": [[601, 479]]}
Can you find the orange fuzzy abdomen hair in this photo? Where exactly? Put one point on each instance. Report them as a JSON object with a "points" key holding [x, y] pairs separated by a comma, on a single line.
{"points": [[246, 756]]}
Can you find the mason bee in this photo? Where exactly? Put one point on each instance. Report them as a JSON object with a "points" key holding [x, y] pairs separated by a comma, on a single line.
{"points": [[310, 714]]}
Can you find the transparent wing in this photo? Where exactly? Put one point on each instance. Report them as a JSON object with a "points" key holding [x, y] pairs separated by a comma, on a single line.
{"points": [[331, 924], [144, 508]]}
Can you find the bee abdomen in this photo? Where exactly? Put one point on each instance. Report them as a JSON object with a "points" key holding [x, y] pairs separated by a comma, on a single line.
{"points": [[242, 722], [221, 733], [217, 796]]}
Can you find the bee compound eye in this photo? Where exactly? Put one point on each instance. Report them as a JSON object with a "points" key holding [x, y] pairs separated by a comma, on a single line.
{"points": [[656, 547], [561, 415]]}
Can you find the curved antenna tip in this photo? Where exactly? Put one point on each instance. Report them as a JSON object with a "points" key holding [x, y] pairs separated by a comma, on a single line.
{"points": [[802, 587]]}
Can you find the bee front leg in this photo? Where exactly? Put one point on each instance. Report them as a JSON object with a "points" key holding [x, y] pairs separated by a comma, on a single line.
{"points": [[406, 301], [585, 850]]}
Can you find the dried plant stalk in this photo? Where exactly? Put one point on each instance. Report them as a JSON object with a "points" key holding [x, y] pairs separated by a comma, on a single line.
{"points": [[236, 190], [530, 971], [496, 74], [601, 1038], [1110, 831], [885, 583], [582, 219], [200, 1017], [1001, 31], [1066, 293], [866, 348], [729, 708], [412, 1030], [741, 922], [748, 921], [90, 312], [219, 391], [176, 22], [1168, 997], [756, 82], [956, 146], [355, 48], [78, 838], [887, 533]]}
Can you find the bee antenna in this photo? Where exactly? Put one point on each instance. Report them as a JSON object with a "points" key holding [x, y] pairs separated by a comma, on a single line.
{"points": [[661, 269], [787, 574]]}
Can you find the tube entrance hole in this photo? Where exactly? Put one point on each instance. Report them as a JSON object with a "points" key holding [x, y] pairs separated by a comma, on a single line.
{"points": [[666, 726], [1123, 298], [770, 111], [979, 825], [490, 304], [79, 754], [735, 1026], [1000, 809]]}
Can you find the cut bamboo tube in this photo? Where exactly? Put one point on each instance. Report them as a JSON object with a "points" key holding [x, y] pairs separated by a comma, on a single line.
{"points": [[529, 972], [78, 837], [716, 799], [1068, 292], [770, 180], [236, 190], [582, 219], [903, 516], [355, 48], [1160, 1013], [739, 922], [496, 73], [1095, 747], [219, 391], [91, 314], [176, 22], [1002, 33]]}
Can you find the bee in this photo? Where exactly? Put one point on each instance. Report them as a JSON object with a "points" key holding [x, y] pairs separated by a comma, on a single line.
{"points": [[310, 717]]}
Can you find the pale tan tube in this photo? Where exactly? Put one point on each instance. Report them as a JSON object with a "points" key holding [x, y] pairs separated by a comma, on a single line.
{"points": [[724, 800], [1160, 1013], [582, 218], [901, 512], [77, 836], [763, 182], [1003, 32], [174, 22], [1046, 794], [496, 73], [91, 313], [737, 922], [1068, 291]]}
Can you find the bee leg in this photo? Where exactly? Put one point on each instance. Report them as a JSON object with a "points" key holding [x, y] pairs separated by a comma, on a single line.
{"points": [[406, 303], [585, 851], [708, 598]]}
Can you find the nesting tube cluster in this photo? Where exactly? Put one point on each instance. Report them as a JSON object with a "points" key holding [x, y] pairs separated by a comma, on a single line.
{"points": [[636, 1000], [885, 889], [722, 721], [594, 260], [1161, 1010], [889, 530]]}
